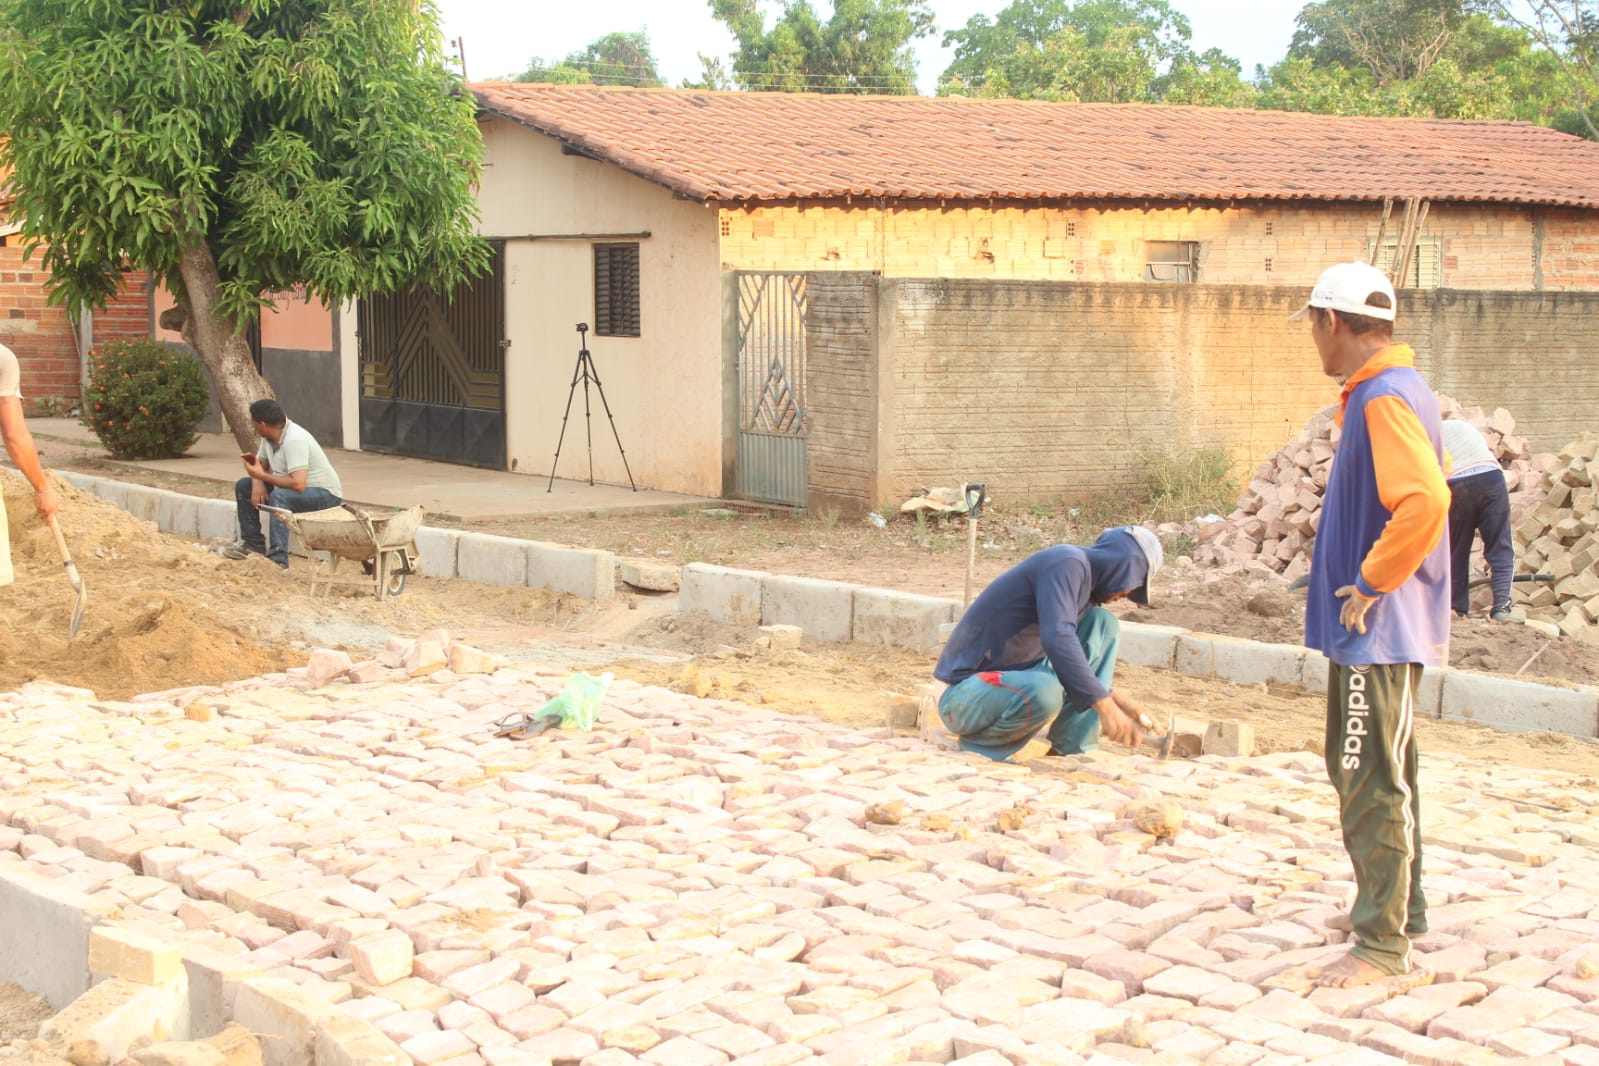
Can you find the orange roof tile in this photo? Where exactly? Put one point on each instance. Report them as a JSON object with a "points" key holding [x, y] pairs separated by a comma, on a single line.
{"points": [[734, 146]]}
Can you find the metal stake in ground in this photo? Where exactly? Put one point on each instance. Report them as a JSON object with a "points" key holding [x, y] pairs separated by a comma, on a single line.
{"points": [[976, 495], [585, 372]]}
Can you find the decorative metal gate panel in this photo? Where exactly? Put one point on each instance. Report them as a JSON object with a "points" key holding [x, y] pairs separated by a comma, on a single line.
{"points": [[433, 371], [772, 425]]}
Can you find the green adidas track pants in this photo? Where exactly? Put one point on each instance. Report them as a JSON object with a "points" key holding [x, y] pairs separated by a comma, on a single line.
{"points": [[1371, 759]]}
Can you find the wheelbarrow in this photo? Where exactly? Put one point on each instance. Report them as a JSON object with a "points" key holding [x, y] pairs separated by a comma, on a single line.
{"points": [[384, 542]]}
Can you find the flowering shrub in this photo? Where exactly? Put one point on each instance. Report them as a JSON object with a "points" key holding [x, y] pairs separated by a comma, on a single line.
{"points": [[144, 399]]}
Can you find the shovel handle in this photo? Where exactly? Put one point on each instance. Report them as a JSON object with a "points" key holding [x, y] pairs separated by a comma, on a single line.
{"points": [[61, 542], [66, 556]]}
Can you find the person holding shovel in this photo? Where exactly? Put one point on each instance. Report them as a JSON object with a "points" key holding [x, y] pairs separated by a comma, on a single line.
{"points": [[20, 447], [1378, 606], [1037, 649]]}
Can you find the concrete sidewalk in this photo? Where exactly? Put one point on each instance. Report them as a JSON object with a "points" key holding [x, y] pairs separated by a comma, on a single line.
{"points": [[449, 492]]}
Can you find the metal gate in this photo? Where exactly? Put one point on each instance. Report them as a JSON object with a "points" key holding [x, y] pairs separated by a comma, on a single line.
{"points": [[772, 425], [433, 371]]}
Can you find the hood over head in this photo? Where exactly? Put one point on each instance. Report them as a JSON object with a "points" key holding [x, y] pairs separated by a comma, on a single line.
{"points": [[1124, 559]]}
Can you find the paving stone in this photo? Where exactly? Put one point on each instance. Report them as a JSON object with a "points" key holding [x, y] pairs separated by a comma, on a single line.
{"points": [[701, 880], [1185, 982]]}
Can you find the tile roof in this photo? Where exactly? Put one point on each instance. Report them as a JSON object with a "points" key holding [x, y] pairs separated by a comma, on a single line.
{"points": [[732, 146]]}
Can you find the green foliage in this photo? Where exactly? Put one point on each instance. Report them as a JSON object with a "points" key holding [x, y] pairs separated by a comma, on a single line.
{"points": [[144, 399], [1300, 85], [1210, 80], [863, 48], [1178, 483], [315, 142], [52, 406], [1567, 31], [1170, 483], [1112, 51], [1421, 58], [1395, 40], [713, 75], [1464, 59], [615, 59]]}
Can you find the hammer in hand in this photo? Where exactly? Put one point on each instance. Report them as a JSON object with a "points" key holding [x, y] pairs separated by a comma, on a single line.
{"points": [[1165, 742]]}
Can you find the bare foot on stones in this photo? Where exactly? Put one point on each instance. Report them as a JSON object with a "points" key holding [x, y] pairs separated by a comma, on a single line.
{"points": [[1348, 972]]}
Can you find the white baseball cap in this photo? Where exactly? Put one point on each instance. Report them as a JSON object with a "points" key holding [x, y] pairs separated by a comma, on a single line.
{"points": [[1149, 544], [1346, 287]]}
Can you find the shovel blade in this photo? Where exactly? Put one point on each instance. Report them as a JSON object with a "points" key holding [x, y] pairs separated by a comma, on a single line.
{"points": [[82, 601]]}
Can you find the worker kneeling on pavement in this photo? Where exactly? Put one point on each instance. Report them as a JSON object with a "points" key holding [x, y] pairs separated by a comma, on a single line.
{"points": [[1037, 649]]}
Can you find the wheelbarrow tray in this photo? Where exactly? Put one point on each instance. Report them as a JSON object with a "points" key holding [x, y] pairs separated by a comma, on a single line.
{"points": [[386, 539]]}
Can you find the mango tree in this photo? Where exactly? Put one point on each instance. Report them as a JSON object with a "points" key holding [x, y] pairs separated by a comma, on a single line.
{"points": [[233, 149]]}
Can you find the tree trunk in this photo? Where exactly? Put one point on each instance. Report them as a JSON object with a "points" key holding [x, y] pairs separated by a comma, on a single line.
{"points": [[221, 345]]}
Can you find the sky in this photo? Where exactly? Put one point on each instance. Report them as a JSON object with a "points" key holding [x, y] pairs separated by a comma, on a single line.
{"points": [[500, 37]]}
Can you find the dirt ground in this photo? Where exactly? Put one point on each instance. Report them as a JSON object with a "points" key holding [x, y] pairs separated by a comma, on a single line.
{"points": [[165, 612], [21, 1013]]}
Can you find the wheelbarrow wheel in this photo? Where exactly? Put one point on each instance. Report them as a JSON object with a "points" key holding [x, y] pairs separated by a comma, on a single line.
{"points": [[394, 573]]}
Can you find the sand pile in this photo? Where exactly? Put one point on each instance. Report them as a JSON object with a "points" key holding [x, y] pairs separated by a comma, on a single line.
{"points": [[162, 612]]}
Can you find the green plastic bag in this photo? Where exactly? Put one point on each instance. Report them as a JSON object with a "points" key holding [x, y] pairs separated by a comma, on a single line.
{"points": [[578, 702]]}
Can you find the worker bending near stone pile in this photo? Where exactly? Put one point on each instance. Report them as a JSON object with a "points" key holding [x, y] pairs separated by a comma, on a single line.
{"points": [[1378, 606], [1037, 648], [1479, 502]]}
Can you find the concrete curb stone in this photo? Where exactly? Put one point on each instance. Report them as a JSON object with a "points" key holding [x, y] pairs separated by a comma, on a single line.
{"points": [[725, 594], [823, 609], [827, 610]]}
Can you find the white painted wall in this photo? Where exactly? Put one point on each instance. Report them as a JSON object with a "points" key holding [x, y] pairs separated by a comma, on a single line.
{"points": [[665, 386]]}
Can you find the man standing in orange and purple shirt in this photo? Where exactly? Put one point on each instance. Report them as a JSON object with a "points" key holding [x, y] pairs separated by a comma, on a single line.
{"points": [[1378, 605]]}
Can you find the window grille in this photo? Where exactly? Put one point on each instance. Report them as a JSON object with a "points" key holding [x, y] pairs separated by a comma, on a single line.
{"points": [[616, 290]]}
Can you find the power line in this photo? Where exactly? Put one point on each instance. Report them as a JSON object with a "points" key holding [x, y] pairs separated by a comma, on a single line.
{"points": [[624, 74]]}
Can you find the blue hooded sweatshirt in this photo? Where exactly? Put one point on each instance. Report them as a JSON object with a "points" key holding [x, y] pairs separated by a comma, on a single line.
{"points": [[1031, 611]]}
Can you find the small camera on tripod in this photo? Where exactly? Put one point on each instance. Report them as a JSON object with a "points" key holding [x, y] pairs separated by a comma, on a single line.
{"points": [[582, 327]]}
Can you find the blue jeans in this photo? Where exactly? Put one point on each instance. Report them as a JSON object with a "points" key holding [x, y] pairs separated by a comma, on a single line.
{"points": [[289, 500], [997, 713], [1480, 503]]}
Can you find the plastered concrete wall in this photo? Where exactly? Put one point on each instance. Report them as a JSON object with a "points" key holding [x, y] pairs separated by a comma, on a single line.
{"points": [[1046, 390], [664, 387], [301, 358], [1479, 246], [1534, 354]]}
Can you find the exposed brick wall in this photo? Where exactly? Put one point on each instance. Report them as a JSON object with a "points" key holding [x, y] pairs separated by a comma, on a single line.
{"points": [[128, 313], [1046, 390], [1479, 246], [39, 334], [42, 335]]}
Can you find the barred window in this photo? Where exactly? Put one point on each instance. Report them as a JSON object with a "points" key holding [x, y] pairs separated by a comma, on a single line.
{"points": [[616, 290]]}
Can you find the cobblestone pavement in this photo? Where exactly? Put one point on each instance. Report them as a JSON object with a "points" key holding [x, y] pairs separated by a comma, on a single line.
{"points": [[697, 882]]}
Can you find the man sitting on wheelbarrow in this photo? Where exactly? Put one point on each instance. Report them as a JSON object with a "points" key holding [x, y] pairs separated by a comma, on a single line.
{"points": [[289, 470]]}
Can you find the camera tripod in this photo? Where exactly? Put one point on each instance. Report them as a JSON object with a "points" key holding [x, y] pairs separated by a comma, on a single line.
{"points": [[584, 371]]}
